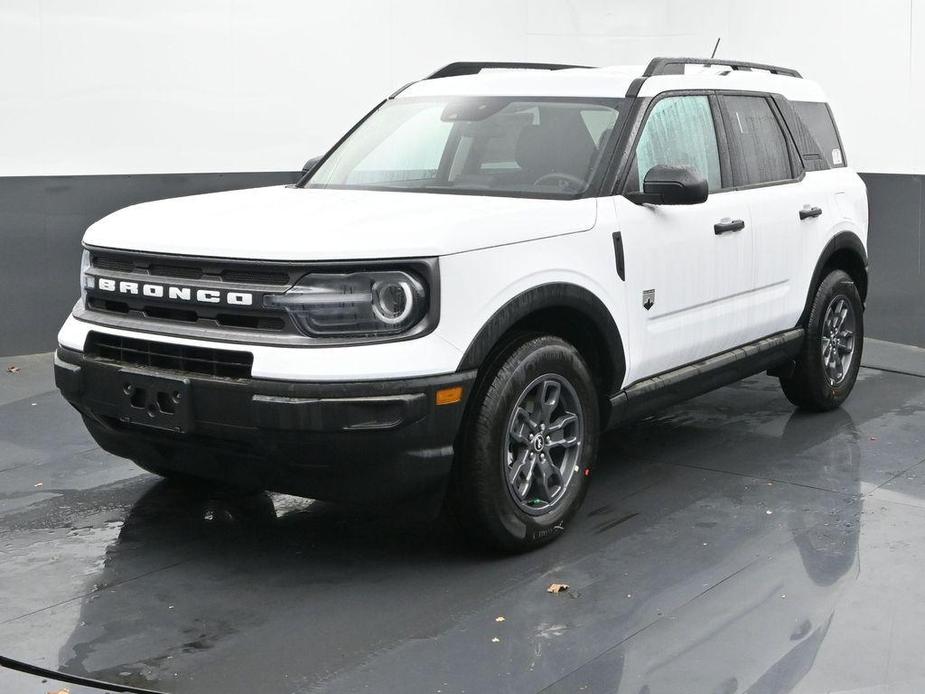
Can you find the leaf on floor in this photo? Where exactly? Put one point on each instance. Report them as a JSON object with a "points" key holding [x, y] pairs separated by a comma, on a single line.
{"points": [[557, 588]]}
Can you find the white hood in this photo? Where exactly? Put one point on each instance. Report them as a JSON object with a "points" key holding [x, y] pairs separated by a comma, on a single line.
{"points": [[281, 223]]}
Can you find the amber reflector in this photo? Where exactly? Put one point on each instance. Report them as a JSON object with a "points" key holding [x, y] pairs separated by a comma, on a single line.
{"points": [[447, 396]]}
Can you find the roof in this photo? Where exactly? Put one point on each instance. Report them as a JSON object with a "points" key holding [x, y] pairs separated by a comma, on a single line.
{"points": [[614, 81]]}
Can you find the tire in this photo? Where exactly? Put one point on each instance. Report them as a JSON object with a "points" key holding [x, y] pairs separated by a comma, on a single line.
{"points": [[498, 440], [821, 381]]}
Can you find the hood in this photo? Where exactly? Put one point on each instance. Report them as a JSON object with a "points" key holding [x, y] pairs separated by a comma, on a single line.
{"points": [[282, 223]]}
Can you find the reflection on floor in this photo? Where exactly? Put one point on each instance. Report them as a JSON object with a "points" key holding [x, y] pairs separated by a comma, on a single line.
{"points": [[727, 545]]}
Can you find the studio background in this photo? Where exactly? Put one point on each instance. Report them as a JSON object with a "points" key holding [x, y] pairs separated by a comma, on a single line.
{"points": [[107, 103]]}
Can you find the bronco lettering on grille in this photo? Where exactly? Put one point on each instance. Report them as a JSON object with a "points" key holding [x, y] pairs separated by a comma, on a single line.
{"points": [[160, 291]]}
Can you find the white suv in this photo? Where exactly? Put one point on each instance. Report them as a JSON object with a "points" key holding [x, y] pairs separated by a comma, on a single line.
{"points": [[496, 264]]}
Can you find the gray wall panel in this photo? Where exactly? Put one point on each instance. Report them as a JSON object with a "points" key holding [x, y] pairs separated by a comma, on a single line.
{"points": [[896, 301], [42, 219]]}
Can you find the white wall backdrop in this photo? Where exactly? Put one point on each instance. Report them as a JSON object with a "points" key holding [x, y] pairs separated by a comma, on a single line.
{"points": [[144, 86]]}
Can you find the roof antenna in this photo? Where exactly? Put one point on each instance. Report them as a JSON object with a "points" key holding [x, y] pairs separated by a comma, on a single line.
{"points": [[713, 54]]}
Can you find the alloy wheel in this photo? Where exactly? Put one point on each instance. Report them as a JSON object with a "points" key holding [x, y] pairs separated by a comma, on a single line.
{"points": [[543, 446], [838, 343]]}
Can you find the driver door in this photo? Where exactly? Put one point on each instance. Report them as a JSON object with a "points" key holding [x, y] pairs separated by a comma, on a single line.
{"points": [[688, 268]]}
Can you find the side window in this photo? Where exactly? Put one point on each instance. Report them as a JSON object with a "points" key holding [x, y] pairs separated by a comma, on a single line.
{"points": [[678, 132], [817, 117], [760, 153]]}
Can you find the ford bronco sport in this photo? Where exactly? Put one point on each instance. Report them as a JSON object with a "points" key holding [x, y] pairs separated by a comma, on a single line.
{"points": [[496, 264]]}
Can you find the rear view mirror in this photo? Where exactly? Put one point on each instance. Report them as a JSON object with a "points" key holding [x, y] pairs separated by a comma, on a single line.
{"points": [[672, 185], [310, 164]]}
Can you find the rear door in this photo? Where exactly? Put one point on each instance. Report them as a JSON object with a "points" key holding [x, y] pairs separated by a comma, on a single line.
{"points": [[687, 278], [768, 173]]}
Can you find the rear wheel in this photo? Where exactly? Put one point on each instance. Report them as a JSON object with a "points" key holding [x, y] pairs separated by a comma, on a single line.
{"points": [[528, 445], [828, 364]]}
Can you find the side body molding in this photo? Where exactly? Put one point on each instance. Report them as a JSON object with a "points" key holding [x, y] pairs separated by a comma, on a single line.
{"points": [[577, 300]]}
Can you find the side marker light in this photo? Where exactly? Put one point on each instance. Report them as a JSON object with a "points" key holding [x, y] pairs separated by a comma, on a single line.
{"points": [[449, 396]]}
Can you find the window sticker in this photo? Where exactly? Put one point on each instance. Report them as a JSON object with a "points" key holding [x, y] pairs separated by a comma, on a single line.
{"points": [[836, 157]]}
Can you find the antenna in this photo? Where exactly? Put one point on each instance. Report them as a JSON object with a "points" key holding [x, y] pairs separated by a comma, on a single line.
{"points": [[713, 54]]}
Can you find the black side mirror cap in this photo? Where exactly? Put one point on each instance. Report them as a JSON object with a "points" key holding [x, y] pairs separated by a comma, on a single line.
{"points": [[672, 185], [310, 164]]}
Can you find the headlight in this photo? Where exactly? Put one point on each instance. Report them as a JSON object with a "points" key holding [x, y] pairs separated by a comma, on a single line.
{"points": [[359, 303], [86, 281]]}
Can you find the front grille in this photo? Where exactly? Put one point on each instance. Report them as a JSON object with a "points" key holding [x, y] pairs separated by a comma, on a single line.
{"points": [[149, 312], [223, 363], [186, 272], [255, 277], [117, 264], [261, 321], [191, 269]]}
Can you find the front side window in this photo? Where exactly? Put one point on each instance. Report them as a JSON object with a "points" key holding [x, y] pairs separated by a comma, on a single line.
{"points": [[757, 145], [494, 145], [678, 132]]}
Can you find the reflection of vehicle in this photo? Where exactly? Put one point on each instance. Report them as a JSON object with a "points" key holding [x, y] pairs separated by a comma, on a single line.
{"points": [[483, 274], [740, 629], [761, 630]]}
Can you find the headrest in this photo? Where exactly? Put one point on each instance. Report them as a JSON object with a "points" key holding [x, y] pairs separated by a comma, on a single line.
{"points": [[560, 143]]}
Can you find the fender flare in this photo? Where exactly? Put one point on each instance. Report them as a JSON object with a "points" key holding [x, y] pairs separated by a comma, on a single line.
{"points": [[547, 296], [844, 240]]}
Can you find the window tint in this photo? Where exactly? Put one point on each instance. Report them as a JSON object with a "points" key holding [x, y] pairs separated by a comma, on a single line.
{"points": [[818, 119], [679, 132], [759, 150]]}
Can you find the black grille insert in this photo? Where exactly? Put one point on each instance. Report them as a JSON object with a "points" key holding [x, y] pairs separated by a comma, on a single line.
{"points": [[116, 264], [256, 277], [160, 355], [184, 271], [237, 273]]}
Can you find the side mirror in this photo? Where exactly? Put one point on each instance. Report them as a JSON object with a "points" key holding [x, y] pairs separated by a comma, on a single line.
{"points": [[672, 185], [310, 164]]}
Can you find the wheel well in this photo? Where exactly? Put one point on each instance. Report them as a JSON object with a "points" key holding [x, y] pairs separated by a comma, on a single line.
{"points": [[565, 310], [849, 261], [577, 329]]}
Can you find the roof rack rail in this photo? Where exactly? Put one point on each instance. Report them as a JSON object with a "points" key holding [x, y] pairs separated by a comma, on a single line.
{"points": [[473, 68], [675, 66]]}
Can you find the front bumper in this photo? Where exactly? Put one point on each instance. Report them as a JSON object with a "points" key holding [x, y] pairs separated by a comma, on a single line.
{"points": [[353, 441]]}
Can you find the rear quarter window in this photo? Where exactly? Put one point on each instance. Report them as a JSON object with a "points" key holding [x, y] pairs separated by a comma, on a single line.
{"points": [[818, 119]]}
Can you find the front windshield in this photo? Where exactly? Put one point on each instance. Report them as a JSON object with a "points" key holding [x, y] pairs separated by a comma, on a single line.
{"points": [[534, 147]]}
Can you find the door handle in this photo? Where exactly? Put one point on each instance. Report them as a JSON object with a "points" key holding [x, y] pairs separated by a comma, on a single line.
{"points": [[808, 212], [725, 225]]}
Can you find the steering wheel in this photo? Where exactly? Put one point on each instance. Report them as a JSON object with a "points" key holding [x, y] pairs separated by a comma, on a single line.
{"points": [[558, 176]]}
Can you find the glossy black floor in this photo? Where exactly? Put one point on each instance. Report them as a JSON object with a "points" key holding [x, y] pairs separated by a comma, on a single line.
{"points": [[729, 545]]}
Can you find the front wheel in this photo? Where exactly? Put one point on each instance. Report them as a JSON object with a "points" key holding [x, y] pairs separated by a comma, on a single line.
{"points": [[527, 445], [828, 364]]}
